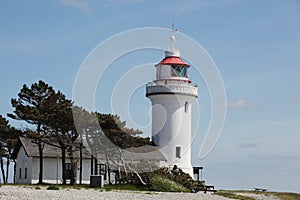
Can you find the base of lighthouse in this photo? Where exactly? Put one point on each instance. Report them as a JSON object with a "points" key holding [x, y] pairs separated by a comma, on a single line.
{"points": [[184, 165]]}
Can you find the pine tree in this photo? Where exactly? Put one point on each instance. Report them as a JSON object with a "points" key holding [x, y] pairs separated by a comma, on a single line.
{"points": [[32, 106]]}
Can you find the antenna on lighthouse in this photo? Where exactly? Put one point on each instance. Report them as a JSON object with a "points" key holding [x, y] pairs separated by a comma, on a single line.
{"points": [[172, 38]]}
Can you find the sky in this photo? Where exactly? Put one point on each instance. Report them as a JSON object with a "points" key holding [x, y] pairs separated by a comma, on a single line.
{"points": [[254, 44]]}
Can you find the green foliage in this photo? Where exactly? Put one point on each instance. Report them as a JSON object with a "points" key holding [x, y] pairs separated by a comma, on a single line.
{"points": [[178, 176], [161, 184], [35, 106], [121, 136], [53, 187], [8, 140], [163, 180]]}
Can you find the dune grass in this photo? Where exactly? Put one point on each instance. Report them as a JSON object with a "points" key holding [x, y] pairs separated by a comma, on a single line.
{"points": [[129, 187], [285, 195], [232, 195]]}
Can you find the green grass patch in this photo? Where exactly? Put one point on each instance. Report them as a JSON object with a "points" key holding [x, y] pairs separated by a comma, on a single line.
{"points": [[233, 195], [285, 195], [161, 184], [53, 187], [282, 195], [125, 187]]}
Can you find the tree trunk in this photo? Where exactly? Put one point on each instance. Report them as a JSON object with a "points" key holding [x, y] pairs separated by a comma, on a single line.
{"points": [[2, 169], [92, 165], [40, 146], [15, 170], [138, 175], [80, 163], [7, 168], [73, 174], [73, 167], [108, 174], [63, 164], [107, 165]]}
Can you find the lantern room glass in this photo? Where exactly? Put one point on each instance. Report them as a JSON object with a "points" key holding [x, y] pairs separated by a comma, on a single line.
{"points": [[179, 71]]}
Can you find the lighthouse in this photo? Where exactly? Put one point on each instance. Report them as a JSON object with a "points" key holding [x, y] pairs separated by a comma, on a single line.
{"points": [[171, 95]]}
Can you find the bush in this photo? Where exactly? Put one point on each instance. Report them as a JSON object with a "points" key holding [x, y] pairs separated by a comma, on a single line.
{"points": [[53, 187], [165, 185]]}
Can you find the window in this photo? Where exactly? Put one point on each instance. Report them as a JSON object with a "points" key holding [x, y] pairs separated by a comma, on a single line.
{"points": [[186, 107], [178, 153], [179, 71], [101, 170], [20, 173], [25, 173]]}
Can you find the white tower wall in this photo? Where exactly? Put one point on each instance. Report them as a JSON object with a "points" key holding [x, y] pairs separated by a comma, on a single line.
{"points": [[171, 128]]}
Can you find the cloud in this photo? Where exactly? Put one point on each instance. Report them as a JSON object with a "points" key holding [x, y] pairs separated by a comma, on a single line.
{"points": [[247, 145], [243, 103], [82, 5]]}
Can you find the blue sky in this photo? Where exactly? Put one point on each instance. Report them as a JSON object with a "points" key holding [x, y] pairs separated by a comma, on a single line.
{"points": [[255, 44]]}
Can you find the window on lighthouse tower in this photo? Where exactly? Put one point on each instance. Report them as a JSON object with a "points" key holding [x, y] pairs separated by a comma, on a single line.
{"points": [[186, 107], [178, 152], [179, 71]]}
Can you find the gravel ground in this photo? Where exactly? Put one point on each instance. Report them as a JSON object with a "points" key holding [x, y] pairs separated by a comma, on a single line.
{"points": [[9, 192], [30, 193]]}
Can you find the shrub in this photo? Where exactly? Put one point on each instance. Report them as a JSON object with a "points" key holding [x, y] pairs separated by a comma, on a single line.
{"points": [[53, 187], [165, 185]]}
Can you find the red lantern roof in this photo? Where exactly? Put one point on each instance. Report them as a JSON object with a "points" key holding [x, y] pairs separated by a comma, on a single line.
{"points": [[173, 61]]}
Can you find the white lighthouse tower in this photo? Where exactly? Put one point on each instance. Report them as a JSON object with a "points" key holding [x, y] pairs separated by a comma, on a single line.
{"points": [[172, 95]]}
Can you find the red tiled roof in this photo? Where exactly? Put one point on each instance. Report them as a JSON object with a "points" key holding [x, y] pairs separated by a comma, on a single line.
{"points": [[173, 61]]}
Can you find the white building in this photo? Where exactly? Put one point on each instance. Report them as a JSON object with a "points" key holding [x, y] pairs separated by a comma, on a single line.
{"points": [[172, 95], [27, 164]]}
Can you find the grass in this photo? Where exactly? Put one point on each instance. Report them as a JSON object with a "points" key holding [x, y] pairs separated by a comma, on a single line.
{"points": [[285, 195], [161, 184], [232, 195], [125, 187], [37, 187], [53, 187], [282, 195]]}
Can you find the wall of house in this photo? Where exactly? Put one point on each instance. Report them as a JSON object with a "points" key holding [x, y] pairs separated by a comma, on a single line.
{"points": [[23, 167], [52, 172]]}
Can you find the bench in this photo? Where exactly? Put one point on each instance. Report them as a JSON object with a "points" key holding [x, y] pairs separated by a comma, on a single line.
{"points": [[210, 188], [260, 189]]}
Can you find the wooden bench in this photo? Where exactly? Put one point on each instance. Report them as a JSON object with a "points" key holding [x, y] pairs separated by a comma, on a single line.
{"points": [[260, 189], [210, 188]]}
